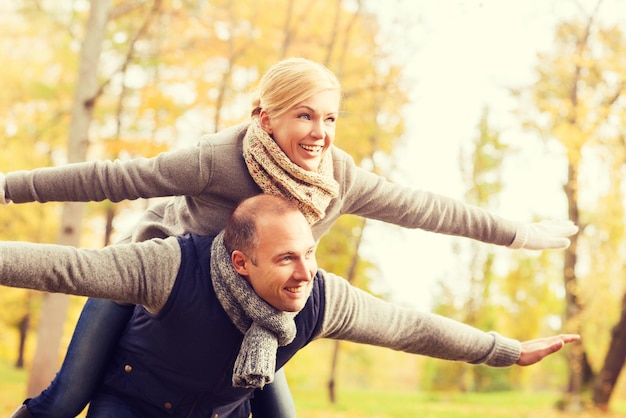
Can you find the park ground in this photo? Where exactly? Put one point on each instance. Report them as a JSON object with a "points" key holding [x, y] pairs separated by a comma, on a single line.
{"points": [[380, 404]]}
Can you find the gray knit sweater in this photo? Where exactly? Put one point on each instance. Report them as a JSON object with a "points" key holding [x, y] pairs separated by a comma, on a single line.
{"points": [[144, 273], [209, 179]]}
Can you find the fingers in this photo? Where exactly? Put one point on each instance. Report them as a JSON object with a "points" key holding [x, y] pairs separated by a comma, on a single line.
{"points": [[558, 244], [545, 235], [556, 233], [562, 228], [534, 351]]}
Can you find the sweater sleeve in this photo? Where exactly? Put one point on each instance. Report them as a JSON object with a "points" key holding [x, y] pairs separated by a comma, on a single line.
{"points": [[354, 315], [372, 196], [139, 273], [174, 173]]}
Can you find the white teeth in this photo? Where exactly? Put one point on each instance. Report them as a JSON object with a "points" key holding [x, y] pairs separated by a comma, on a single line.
{"points": [[312, 148], [294, 289]]}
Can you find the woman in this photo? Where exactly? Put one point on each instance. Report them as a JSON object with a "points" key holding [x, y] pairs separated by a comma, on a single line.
{"points": [[286, 148]]}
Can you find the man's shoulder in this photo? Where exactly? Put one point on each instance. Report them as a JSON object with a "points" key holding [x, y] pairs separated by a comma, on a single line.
{"points": [[196, 246], [317, 299]]}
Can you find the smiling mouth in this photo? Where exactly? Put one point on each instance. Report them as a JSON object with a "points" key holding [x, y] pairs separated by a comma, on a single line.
{"points": [[312, 148], [298, 289]]}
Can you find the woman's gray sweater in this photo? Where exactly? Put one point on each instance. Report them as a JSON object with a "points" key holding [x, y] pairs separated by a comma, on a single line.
{"points": [[209, 179]]}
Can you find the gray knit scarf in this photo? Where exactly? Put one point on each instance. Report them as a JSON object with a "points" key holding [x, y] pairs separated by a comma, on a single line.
{"points": [[265, 328], [276, 174]]}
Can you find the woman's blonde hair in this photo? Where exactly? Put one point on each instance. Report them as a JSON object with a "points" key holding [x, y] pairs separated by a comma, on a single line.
{"points": [[290, 82]]}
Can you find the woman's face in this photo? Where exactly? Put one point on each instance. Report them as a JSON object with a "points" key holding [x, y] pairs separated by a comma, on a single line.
{"points": [[307, 130]]}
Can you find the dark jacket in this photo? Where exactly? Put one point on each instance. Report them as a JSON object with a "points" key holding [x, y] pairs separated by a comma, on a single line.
{"points": [[179, 362]]}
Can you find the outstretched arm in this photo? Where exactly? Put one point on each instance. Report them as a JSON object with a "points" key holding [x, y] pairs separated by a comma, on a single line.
{"points": [[140, 273], [171, 173], [372, 196], [354, 315]]}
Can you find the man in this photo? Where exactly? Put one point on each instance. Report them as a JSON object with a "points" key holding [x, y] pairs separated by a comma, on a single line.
{"points": [[218, 316]]}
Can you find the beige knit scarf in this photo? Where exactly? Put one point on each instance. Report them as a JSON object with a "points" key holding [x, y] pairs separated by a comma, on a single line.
{"points": [[276, 174], [265, 328]]}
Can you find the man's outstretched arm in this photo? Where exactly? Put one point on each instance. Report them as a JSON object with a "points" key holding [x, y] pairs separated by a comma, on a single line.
{"points": [[354, 315], [140, 273]]}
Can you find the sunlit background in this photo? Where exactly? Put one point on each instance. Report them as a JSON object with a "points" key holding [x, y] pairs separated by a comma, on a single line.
{"points": [[459, 60], [465, 56]]}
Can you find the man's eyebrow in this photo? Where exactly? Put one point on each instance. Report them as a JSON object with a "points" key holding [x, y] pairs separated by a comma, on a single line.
{"points": [[284, 253]]}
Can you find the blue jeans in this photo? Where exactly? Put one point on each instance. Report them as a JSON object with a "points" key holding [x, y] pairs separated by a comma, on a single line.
{"points": [[108, 406], [93, 343], [95, 337], [275, 400]]}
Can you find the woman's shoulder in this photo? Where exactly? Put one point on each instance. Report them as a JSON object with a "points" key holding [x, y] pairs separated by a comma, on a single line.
{"points": [[340, 156], [232, 135], [343, 163]]}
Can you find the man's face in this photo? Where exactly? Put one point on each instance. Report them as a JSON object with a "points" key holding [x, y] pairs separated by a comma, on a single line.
{"points": [[306, 131], [285, 261]]}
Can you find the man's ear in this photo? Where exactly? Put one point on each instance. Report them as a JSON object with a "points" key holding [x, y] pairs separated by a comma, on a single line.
{"points": [[264, 122], [240, 262]]}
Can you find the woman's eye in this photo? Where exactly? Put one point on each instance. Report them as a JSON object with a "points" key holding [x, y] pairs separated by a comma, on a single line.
{"points": [[304, 116]]}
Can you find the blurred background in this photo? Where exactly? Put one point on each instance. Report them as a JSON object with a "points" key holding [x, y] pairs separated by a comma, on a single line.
{"points": [[516, 107]]}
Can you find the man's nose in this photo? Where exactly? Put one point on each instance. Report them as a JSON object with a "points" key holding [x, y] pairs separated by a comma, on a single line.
{"points": [[304, 271]]}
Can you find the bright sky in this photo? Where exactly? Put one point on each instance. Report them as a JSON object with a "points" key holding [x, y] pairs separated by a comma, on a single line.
{"points": [[469, 52]]}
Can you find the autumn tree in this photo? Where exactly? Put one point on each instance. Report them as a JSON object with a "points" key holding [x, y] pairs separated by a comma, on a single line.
{"points": [[473, 297], [577, 103], [172, 71], [495, 288], [86, 90], [32, 124], [613, 363]]}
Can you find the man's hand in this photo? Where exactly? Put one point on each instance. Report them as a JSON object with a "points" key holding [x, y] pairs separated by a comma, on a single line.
{"points": [[534, 351]]}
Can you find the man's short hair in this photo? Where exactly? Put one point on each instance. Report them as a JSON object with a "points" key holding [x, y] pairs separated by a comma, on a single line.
{"points": [[240, 232]]}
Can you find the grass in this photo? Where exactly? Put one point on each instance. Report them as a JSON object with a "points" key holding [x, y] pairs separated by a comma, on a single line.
{"points": [[353, 404], [12, 388], [361, 404]]}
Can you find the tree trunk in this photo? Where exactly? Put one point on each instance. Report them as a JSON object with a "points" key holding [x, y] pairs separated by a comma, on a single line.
{"points": [[573, 307], [54, 308], [23, 330], [613, 363], [332, 380]]}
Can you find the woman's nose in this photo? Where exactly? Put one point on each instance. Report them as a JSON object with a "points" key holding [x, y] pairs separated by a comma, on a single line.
{"points": [[318, 130]]}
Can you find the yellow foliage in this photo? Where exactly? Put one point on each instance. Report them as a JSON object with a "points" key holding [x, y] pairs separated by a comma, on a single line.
{"points": [[188, 72]]}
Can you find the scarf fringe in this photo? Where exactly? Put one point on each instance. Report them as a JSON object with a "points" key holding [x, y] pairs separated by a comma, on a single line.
{"points": [[254, 367]]}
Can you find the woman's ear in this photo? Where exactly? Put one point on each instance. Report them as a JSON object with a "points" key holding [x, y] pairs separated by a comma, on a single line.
{"points": [[265, 121], [240, 262]]}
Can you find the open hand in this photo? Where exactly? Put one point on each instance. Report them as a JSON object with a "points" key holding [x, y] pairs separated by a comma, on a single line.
{"points": [[534, 351], [544, 235]]}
